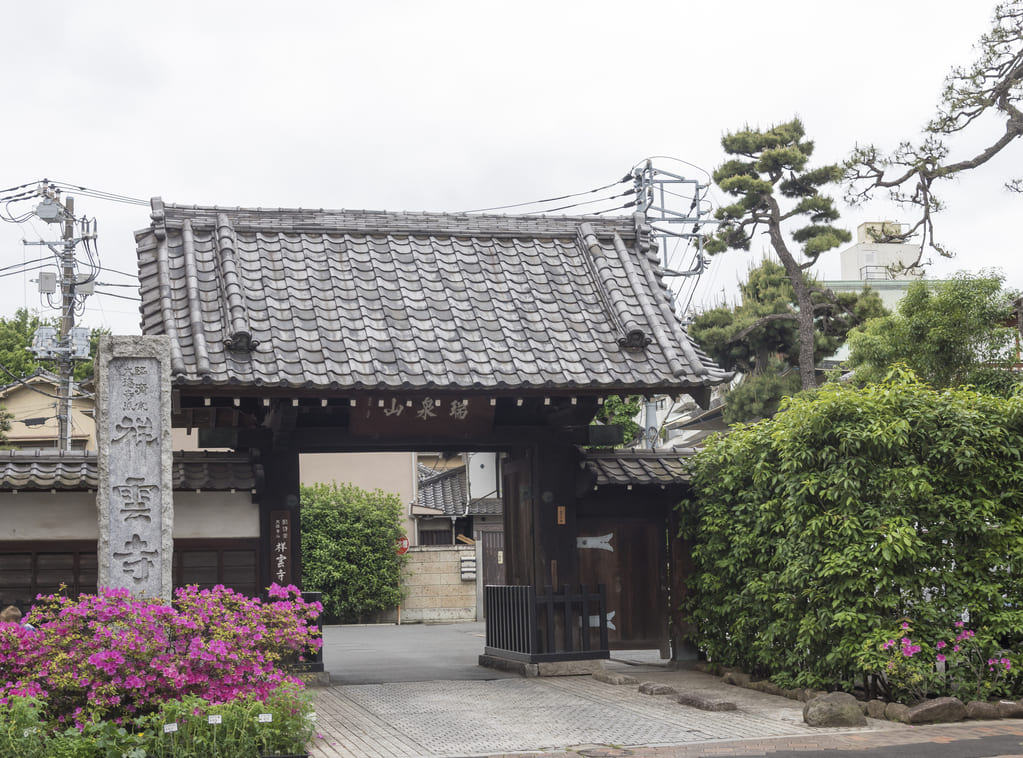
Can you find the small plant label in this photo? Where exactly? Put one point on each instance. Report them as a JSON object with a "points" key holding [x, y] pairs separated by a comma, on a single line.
{"points": [[214, 719], [169, 728], [266, 718], [29, 732]]}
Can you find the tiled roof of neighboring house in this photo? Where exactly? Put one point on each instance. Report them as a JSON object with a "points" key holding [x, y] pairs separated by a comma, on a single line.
{"points": [[448, 492], [638, 467], [48, 470], [350, 300]]}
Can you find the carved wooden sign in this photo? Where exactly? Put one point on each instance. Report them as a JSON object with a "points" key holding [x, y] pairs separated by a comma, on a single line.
{"points": [[432, 416], [280, 547]]}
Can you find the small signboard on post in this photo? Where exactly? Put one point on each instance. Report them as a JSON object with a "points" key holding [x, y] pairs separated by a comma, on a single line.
{"points": [[402, 545]]}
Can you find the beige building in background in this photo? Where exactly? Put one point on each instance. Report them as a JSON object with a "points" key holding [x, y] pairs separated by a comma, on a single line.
{"points": [[33, 405]]}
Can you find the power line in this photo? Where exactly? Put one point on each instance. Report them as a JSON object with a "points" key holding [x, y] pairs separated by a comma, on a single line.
{"points": [[627, 178]]}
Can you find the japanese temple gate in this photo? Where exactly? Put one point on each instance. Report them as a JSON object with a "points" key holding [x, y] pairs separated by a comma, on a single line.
{"points": [[295, 331]]}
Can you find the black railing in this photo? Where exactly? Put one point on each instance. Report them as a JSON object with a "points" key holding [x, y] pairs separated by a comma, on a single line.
{"points": [[554, 626]]}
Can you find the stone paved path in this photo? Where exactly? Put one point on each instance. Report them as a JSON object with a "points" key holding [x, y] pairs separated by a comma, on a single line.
{"points": [[473, 718]]}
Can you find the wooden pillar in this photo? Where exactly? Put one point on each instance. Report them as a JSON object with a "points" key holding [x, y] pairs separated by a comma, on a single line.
{"points": [[555, 472], [516, 486], [280, 544]]}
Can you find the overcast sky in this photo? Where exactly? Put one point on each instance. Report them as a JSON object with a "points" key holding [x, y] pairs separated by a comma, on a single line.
{"points": [[451, 106]]}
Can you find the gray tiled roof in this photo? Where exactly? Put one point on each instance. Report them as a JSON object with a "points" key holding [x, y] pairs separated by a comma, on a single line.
{"points": [[448, 492], [349, 300], [638, 467], [49, 470]]}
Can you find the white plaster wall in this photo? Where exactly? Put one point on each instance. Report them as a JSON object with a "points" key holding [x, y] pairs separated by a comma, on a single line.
{"points": [[215, 514], [49, 516], [73, 516]]}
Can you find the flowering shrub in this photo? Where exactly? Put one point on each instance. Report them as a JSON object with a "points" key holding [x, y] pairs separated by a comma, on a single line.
{"points": [[114, 657], [962, 663]]}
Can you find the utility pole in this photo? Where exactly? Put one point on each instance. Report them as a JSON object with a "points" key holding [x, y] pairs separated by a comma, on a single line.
{"points": [[67, 323], [656, 190], [70, 343]]}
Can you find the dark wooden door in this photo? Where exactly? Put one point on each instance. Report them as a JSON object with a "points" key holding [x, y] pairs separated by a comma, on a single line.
{"points": [[493, 557], [628, 555]]}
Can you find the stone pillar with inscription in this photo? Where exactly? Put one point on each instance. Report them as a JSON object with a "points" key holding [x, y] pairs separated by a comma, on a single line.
{"points": [[135, 495]]}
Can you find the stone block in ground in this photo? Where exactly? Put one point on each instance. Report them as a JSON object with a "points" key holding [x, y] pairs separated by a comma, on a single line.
{"points": [[876, 709], [568, 668], [980, 709], [834, 709], [609, 677], [706, 703], [656, 688], [939, 710], [897, 712]]}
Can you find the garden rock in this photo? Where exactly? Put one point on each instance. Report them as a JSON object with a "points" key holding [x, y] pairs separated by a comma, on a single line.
{"points": [[941, 709], [737, 678], [876, 709], [834, 709], [978, 709], [1007, 709], [897, 712]]}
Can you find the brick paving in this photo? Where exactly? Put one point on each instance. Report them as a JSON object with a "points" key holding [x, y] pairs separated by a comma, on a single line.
{"points": [[515, 716], [581, 717]]}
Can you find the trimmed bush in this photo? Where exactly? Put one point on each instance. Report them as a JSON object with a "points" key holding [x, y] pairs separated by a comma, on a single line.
{"points": [[349, 539], [848, 511]]}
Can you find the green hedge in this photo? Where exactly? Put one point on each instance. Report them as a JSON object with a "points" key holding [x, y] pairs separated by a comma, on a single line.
{"points": [[851, 510], [349, 539]]}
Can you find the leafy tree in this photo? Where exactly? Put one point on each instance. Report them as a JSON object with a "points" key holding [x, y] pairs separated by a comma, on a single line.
{"points": [[764, 349], [848, 511], [770, 168], [16, 335], [623, 412], [949, 333], [348, 548], [989, 89]]}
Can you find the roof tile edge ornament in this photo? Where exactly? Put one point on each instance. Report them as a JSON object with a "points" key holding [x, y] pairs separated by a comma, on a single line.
{"points": [[241, 342], [634, 340]]}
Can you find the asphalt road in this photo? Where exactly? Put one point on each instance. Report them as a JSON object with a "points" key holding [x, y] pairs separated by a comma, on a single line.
{"points": [[385, 653]]}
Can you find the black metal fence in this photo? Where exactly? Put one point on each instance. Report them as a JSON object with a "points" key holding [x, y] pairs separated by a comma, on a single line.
{"points": [[555, 626]]}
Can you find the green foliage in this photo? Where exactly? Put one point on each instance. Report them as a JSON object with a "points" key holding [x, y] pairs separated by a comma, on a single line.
{"points": [[22, 732], [348, 548], [759, 338], [759, 395], [623, 412], [850, 509], [949, 333], [285, 729], [772, 170], [775, 158], [16, 335]]}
